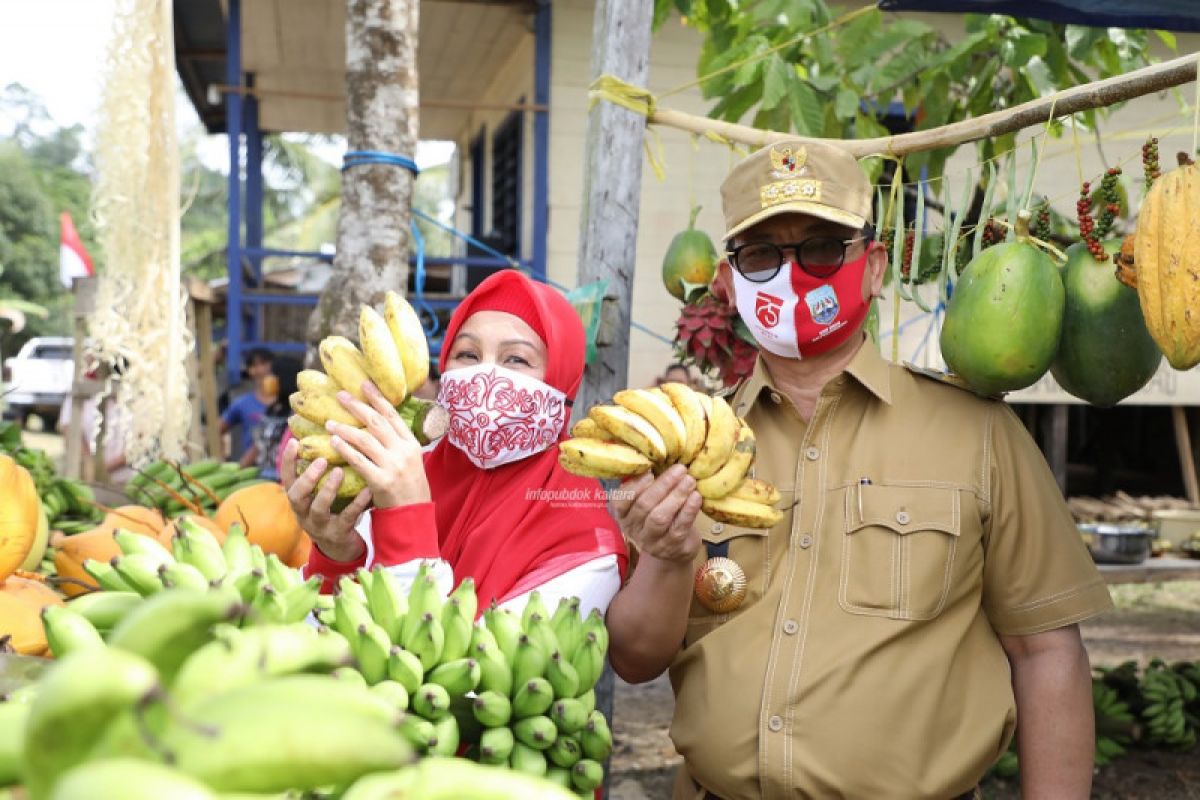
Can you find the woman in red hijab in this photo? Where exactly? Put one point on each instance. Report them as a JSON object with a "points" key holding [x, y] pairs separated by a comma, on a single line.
{"points": [[490, 500]]}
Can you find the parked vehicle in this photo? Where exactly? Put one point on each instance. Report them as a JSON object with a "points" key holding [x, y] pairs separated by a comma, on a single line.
{"points": [[38, 378]]}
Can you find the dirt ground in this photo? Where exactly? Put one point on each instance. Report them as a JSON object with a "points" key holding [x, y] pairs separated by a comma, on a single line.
{"points": [[1150, 620]]}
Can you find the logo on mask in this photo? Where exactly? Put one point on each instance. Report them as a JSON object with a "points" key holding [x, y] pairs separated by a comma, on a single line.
{"points": [[766, 309], [822, 304]]}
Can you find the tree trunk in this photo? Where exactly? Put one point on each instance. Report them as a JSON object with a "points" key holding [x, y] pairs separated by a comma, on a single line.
{"points": [[381, 115]]}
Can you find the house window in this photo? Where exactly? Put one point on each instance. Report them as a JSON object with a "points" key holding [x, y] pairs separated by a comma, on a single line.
{"points": [[506, 185]]}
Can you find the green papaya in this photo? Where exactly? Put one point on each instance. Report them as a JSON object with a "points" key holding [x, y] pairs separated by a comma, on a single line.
{"points": [[690, 262], [1004, 318], [1106, 353]]}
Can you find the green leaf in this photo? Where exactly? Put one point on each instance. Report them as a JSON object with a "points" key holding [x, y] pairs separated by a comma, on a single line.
{"points": [[748, 73], [937, 103], [778, 78], [867, 127], [734, 105], [824, 81], [901, 68], [846, 105], [1168, 38], [1037, 72], [808, 112], [1081, 39], [1022, 46], [853, 38], [894, 34]]}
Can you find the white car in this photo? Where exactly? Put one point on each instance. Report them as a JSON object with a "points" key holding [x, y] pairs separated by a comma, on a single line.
{"points": [[38, 378]]}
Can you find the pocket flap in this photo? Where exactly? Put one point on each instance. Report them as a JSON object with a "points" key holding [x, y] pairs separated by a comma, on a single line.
{"points": [[903, 509]]}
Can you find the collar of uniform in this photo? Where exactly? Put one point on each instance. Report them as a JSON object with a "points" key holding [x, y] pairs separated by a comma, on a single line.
{"points": [[758, 382], [867, 367], [870, 369]]}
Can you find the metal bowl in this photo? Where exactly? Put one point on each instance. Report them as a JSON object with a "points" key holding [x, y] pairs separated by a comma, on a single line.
{"points": [[1117, 544]]}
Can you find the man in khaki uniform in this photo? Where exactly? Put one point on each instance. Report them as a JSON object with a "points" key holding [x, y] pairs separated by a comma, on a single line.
{"points": [[918, 601]]}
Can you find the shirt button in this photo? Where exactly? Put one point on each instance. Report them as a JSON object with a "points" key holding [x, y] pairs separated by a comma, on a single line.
{"points": [[790, 627], [903, 518], [775, 723], [812, 454], [806, 542], [776, 398], [717, 527]]}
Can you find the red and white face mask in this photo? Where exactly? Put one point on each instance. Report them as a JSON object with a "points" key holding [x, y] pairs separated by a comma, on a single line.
{"points": [[795, 315], [498, 416]]}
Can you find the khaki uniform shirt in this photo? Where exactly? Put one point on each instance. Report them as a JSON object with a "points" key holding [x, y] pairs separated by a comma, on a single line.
{"points": [[864, 662]]}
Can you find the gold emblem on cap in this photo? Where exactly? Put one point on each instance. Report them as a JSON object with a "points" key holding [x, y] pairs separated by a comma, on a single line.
{"points": [[786, 160], [720, 585], [789, 191]]}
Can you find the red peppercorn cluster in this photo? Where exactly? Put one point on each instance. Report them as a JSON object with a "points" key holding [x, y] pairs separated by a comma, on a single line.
{"points": [[1041, 228], [906, 262], [993, 234], [1093, 231], [889, 239], [1150, 166], [1112, 202]]}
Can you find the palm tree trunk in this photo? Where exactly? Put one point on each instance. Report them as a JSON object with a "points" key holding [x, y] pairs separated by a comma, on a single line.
{"points": [[381, 115]]}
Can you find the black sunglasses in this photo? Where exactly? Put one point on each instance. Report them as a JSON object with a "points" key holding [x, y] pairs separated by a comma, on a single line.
{"points": [[820, 256]]}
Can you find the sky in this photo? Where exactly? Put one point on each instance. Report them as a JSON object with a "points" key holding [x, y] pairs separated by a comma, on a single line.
{"points": [[56, 49]]}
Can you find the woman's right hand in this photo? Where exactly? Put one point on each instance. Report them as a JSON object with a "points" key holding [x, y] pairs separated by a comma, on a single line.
{"points": [[332, 532]]}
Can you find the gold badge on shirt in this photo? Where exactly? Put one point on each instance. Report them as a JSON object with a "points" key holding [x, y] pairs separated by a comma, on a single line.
{"points": [[720, 585]]}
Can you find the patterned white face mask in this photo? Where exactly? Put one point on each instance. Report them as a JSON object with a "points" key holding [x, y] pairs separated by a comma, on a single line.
{"points": [[498, 416]]}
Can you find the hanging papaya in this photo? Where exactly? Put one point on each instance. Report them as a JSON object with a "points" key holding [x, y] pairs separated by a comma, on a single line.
{"points": [[1004, 319], [1105, 353], [1167, 259], [690, 262], [19, 515]]}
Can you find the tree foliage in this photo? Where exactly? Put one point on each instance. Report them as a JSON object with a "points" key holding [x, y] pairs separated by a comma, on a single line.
{"points": [[840, 82]]}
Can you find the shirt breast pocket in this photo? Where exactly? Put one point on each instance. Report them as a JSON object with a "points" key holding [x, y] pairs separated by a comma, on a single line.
{"points": [[748, 549], [898, 550]]}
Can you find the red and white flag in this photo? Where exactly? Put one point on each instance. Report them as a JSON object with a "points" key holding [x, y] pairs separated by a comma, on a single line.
{"points": [[73, 259]]}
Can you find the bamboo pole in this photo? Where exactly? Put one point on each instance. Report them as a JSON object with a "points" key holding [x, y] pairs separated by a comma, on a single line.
{"points": [[1084, 97]]}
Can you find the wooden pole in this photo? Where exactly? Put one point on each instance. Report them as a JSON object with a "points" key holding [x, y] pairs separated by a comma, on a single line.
{"points": [[1187, 459], [1096, 94], [612, 175]]}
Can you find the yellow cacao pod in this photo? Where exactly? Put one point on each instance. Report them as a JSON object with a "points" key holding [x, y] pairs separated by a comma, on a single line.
{"points": [[20, 510], [1167, 255]]}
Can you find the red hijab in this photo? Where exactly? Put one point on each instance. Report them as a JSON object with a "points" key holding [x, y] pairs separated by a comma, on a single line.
{"points": [[488, 528]]}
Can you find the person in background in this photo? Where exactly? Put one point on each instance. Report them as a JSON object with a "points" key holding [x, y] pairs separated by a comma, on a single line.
{"points": [[116, 428], [247, 411], [270, 430], [676, 373]]}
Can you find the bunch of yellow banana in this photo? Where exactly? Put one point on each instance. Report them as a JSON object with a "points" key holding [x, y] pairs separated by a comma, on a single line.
{"points": [[394, 355], [651, 429]]}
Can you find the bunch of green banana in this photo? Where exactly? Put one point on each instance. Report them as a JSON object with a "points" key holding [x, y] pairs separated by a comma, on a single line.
{"points": [[272, 591], [394, 355], [70, 505], [1171, 711], [517, 689], [1115, 723], [197, 487], [536, 701], [651, 429]]}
